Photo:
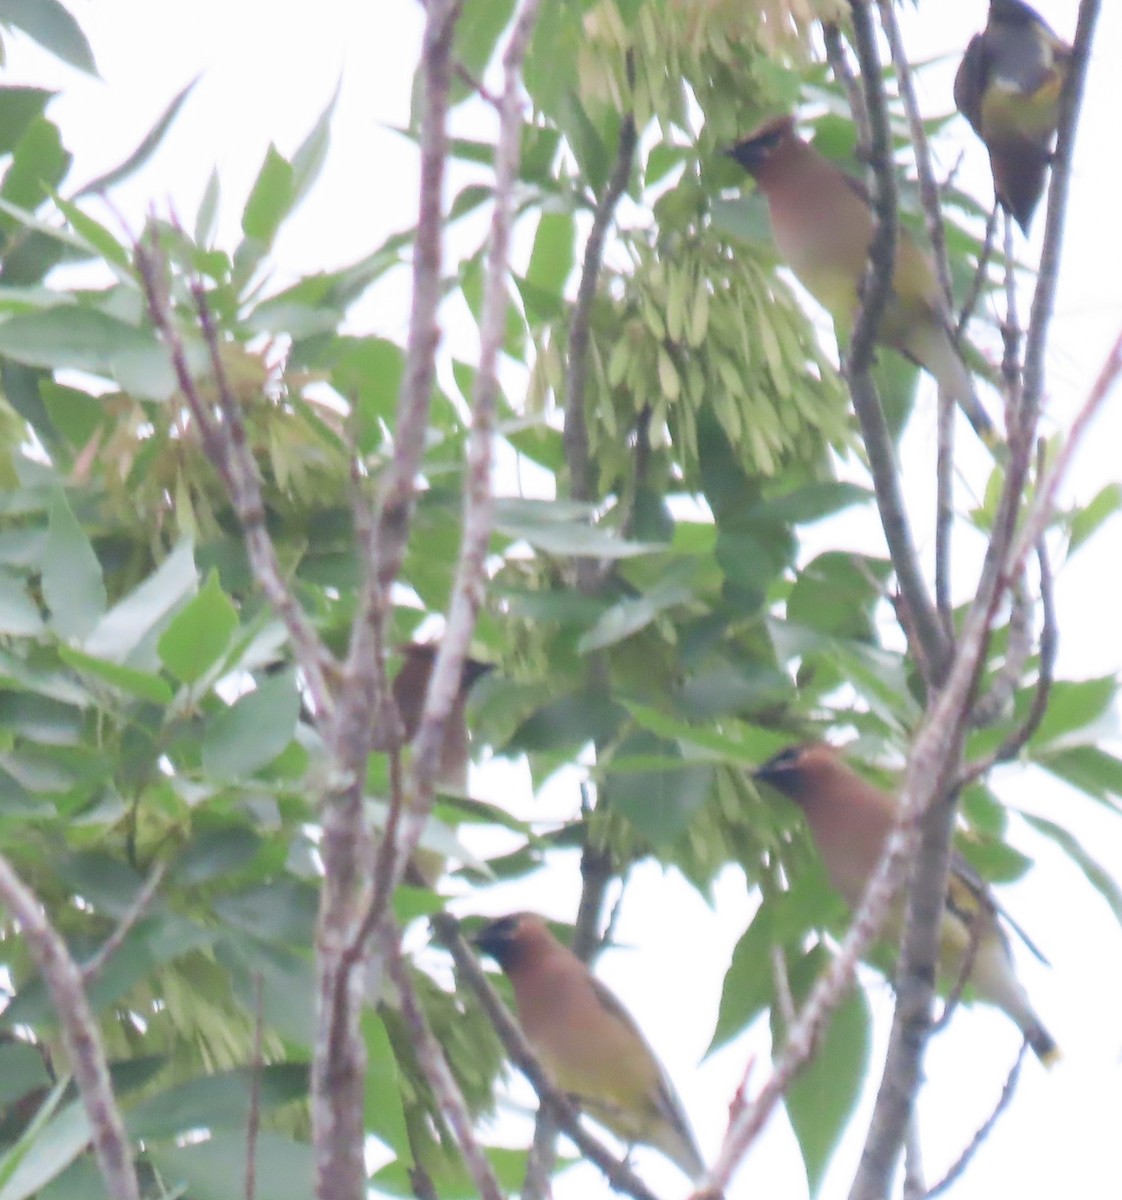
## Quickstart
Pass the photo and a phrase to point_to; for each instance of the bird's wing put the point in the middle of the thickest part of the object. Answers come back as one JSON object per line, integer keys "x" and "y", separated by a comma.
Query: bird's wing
{"x": 972, "y": 890}
{"x": 970, "y": 82}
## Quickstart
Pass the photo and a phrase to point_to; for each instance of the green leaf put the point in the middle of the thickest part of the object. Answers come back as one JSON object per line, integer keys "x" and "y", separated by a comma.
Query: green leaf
{"x": 311, "y": 154}
{"x": 19, "y": 106}
{"x": 629, "y": 616}
{"x": 551, "y": 259}
{"x": 478, "y": 30}
{"x": 1093, "y": 771}
{"x": 1103, "y": 505}
{"x": 1074, "y": 709}
{"x": 208, "y": 1170}
{"x": 125, "y": 679}
{"x": 123, "y": 627}
{"x": 659, "y": 803}
{"x": 748, "y": 981}
{"x": 254, "y": 730}
{"x": 272, "y": 197}
{"x": 51, "y": 1150}
{"x": 22, "y": 1070}
{"x": 1097, "y": 875}
{"x": 384, "y": 1111}
{"x": 72, "y": 584}
{"x": 81, "y": 339}
{"x": 19, "y": 614}
{"x": 218, "y": 1101}
{"x": 199, "y": 633}
{"x": 48, "y": 23}
{"x": 824, "y": 1094}
{"x": 148, "y": 146}
{"x": 38, "y": 165}
{"x": 544, "y": 525}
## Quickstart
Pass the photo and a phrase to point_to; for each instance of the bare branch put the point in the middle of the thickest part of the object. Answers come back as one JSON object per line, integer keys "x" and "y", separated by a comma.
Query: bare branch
{"x": 978, "y": 283}
{"x": 618, "y": 1173}
{"x": 135, "y": 911}
{"x": 450, "y": 1099}
{"x": 838, "y": 57}
{"x": 876, "y": 289}
{"x": 469, "y": 587}
{"x": 985, "y": 1129}
{"x": 928, "y": 186}
{"x": 80, "y": 1034}
{"x": 339, "y": 1053}
{"x": 582, "y": 485}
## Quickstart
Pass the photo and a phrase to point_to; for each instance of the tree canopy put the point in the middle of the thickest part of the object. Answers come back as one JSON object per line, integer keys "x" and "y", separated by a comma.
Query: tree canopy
{"x": 226, "y": 510}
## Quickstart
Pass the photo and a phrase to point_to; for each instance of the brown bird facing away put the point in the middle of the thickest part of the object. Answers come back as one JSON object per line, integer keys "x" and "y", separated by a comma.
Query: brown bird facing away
{"x": 850, "y": 820}
{"x": 822, "y": 222}
{"x": 409, "y": 687}
{"x": 587, "y": 1040}
{"x": 1008, "y": 87}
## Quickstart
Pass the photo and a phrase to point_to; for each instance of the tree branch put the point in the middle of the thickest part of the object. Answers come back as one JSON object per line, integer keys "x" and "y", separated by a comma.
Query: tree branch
{"x": 435, "y": 1066}
{"x": 95, "y": 965}
{"x": 80, "y": 1034}
{"x": 339, "y": 1053}
{"x": 876, "y": 289}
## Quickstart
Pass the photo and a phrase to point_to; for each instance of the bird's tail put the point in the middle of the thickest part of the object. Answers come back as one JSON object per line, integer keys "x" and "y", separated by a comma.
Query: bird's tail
{"x": 1042, "y": 1043}
{"x": 930, "y": 345}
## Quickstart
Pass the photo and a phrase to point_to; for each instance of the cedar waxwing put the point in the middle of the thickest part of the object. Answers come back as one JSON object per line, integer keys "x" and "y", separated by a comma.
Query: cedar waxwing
{"x": 587, "y": 1040}
{"x": 1008, "y": 87}
{"x": 850, "y": 820}
{"x": 823, "y": 223}
{"x": 409, "y": 687}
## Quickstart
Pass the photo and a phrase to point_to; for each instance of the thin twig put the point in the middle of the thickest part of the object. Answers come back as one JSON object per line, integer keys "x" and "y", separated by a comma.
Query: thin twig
{"x": 996, "y": 702}
{"x": 257, "y": 1065}
{"x": 944, "y": 510}
{"x": 914, "y": 1186}
{"x": 875, "y": 292}
{"x": 978, "y": 283}
{"x": 617, "y": 1171}
{"x": 985, "y": 1130}
{"x": 838, "y": 58}
{"x": 95, "y": 965}
{"x": 928, "y": 185}
{"x": 449, "y": 1098}
{"x": 582, "y": 484}
{"x": 80, "y": 1034}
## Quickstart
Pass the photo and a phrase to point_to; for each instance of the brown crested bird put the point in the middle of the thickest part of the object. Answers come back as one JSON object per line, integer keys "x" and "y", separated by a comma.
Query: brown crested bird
{"x": 1008, "y": 87}
{"x": 822, "y": 222}
{"x": 850, "y": 820}
{"x": 587, "y": 1040}
{"x": 409, "y": 687}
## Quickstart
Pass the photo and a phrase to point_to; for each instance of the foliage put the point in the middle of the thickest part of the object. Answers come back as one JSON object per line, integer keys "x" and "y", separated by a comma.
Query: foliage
{"x": 149, "y": 708}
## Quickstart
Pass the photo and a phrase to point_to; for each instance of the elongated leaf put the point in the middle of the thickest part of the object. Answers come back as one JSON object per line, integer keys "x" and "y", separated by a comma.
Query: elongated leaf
{"x": 72, "y": 582}
{"x": 148, "y": 146}
{"x": 19, "y": 615}
{"x": 823, "y": 1095}
{"x": 253, "y": 731}
{"x": 48, "y": 1153}
{"x": 123, "y": 627}
{"x": 52, "y": 26}
{"x": 1097, "y": 875}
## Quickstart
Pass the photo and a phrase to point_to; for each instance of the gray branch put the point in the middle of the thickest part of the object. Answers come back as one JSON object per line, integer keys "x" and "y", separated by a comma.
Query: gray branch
{"x": 80, "y": 1034}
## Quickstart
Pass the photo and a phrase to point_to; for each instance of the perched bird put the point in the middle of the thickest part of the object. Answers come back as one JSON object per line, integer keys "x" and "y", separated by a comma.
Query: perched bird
{"x": 850, "y": 820}
{"x": 822, "y": 222}
{"x": 409, "y": 687}
{"x": 1008, "y": 87}
{"x": 587, "y": 1040}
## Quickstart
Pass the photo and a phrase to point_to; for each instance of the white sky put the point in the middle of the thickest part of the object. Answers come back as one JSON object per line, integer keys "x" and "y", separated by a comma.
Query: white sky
{"x": 270, "y": 68}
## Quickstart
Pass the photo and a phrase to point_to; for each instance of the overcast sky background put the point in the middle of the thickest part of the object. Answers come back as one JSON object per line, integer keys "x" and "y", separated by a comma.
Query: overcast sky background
{"x": 269, "y": 69}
